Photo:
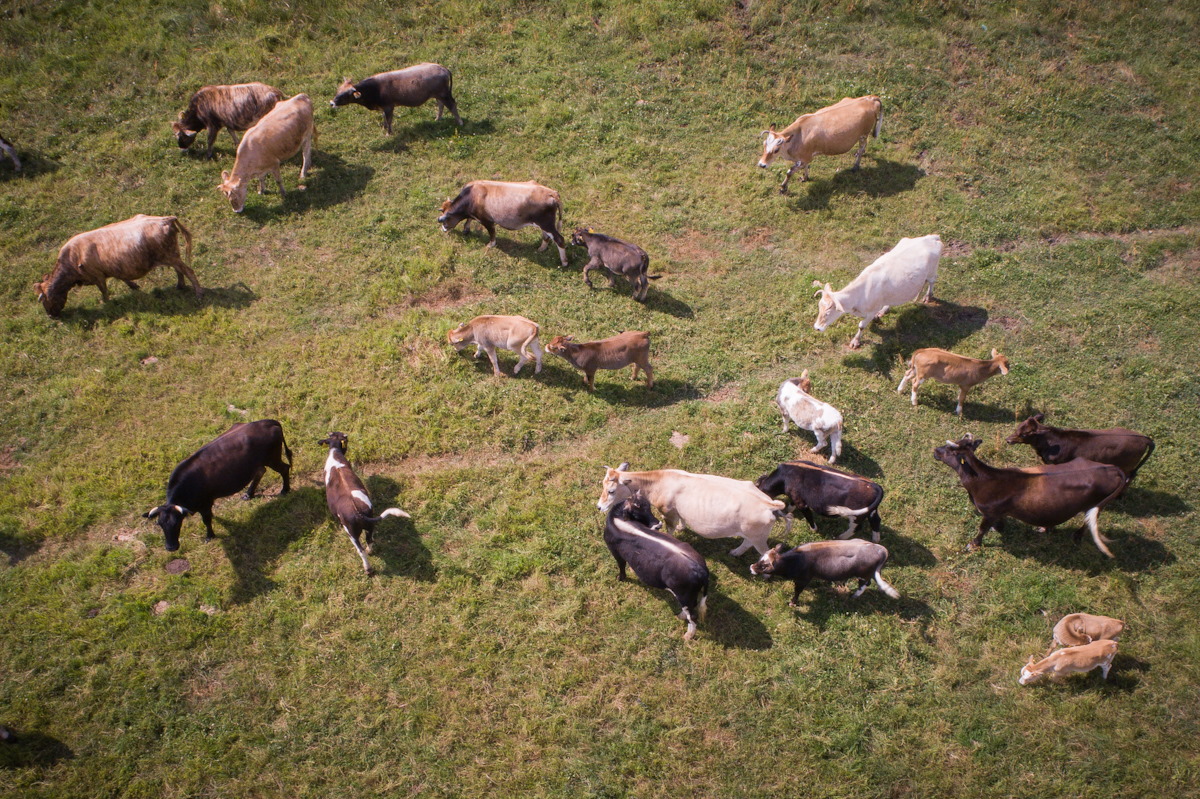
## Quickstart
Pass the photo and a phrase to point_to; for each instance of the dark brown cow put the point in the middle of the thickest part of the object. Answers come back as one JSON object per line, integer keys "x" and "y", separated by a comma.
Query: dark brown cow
{"x": 835, "y": 561}
{"x": 615, "y": 352}
{"x": 1042, "y": 496}
{"x": 409, "y": 87}
{"x": 617, "y": 258}
{"x": 235, "y": 108}
{"x": 348, "y": 500}
{"x": 509, "y": 205}
{"x": 124, "y": 250}
{"x": 828, "y": 491}
{"x": 1125, "y": 449}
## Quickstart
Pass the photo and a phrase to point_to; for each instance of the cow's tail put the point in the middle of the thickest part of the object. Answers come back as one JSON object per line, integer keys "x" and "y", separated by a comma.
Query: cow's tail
{"x": 1145, "y": 457}
{"x": 287, "y": 451}
{"x": 702, "y": 606}
{"x": 878, "y": 119}
{"x": 187, "y": 235}
{"x": 1091, "y": 522}
{"x": 385, "y": 514}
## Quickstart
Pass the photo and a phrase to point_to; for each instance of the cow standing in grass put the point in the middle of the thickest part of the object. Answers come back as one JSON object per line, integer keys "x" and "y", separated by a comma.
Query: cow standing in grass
{"x": 509, "y": 205}
{"x": 235, "y": 108}
{"x": 286, "y": 130}
{"x": 617, "y": 258}
{"x": 348, "y": 500}
{"x": 832, "y": 130}
{"x": 409, "y": 87}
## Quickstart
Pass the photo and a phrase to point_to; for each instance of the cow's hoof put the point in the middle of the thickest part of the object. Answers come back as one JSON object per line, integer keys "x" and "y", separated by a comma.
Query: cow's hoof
{"x": 247, "y": 496}
{"x": 792, "y": 604}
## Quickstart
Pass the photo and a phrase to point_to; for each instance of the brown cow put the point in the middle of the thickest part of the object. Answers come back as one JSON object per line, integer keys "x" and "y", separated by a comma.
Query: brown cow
{"x": 615, "y": 352}
{"x": 943, "y": 366}
{"x": 509, "y": 205}
{"x": 235, "y": 108}
{"x": 1125, "y": 449}
{"x": 409, "y": 87}
{"x": 284, "y": 131}
{"x": 832, "y": 130}
{"x": 124, "y": 250}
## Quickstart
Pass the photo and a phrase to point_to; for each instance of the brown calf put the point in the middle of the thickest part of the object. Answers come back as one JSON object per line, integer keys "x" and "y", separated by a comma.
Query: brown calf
{"x": 617, "y": 352}
{"x": 956, "y": 370}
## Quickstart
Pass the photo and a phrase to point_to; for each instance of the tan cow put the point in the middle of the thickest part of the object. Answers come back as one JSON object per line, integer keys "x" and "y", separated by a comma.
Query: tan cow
{"x": 615, "y": 352}
{"x": 1071, "y": 660}
{"x": 946, "y": 367}
{"x": 707, "y": 504}
{"x": 286, "y": 130}
{"x": 511, "y": 206}
{"x": 832, "y": 130}
{"x": 489, "y": 333}
{"x": 1076, "y": 629}
{"x": 124, "y": 250}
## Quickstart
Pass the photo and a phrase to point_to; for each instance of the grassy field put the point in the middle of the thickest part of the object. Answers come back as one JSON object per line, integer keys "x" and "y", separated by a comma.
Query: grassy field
{"x": 1053, "y": 146}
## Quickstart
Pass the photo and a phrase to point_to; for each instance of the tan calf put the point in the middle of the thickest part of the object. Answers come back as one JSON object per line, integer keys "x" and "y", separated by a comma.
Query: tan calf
{"x": 1083, "y": 628}
{"x": 286, "y": 130}
{"x": 616, "y": 352}
{"x": 1072, "y": 660}
{"x": 489, "y": 333}
{"x": 946, "y": 367}
{"x": 832, "y": 130}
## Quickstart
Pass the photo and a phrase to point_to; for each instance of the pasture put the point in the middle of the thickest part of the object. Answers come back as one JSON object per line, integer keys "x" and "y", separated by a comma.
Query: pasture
{"x": 1053, "y": 146}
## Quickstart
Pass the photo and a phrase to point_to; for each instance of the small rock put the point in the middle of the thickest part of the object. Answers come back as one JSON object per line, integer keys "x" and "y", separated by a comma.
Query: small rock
{"x": 679, "y": 439}
{"x": 149, "y": 360}
{"x": 642, "y": 102}
{"x": 209, "y": 610}
{"x": 160, "y": 607}
{"x": 178, "y": 566}
{"x": 93, "y": 613}
{"x": 233, "y": 409}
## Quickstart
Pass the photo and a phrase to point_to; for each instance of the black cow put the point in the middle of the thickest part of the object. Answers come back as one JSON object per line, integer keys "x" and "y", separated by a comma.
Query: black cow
{"x": 616, "y": 256}
{"x": 634, "y": 536}
{"x": 409, "y": 87}
{"x": 835, "y": 561}
{"x": 828, "y": 491}
{"x": 347, "y": 497}
{"x": 220, "y": 468}
{"x": 1125, "y": 449}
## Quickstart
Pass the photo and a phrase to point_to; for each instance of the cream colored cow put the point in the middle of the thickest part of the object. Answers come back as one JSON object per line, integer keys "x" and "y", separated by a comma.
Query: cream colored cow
{"x": 490, "y": 333}
{"x": 286, "y": 130}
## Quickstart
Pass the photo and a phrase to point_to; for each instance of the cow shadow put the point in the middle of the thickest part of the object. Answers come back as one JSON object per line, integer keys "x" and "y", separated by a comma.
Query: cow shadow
{"x": 397, "y": 542}
{"x": 725, "y": 621}
{"x": 513, "y": 245}
{"x": 904, "y": 551}
{"x": 331, "y": 182}
{"x": 14, "y": 550}
{"x": 1122, "y": 677}
{"x": 1142, "y": 502}
{"x": 1133, "y": 552}
{"x": 614, "y": 386}
{"x": 428, "y": 129}
{"x": 916, "y": 325}
{"x": 33, "y": 749}
{"x": 946, "y": 400}
{"x": 32, "y": 165}
{"x": 885, "y": 179}
{"x": 254, "y": 545}
{"x": 824, "y": 602}
{"x": 160, "y": 301}
{"x": 662, "y": 302}
{"x": 854, "y": 460}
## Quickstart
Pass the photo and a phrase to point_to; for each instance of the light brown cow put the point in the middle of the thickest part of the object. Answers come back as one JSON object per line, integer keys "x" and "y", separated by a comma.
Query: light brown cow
{"x": 124, "y": 250}
{"x": 615, "y": 352}
{"x": 1071, "y": 660}
{"x": 284, "y": 131}
{"x": 956, "y": 370}
{"x": 489, "y": 333}
{"x": 832, "y": 130}
{"x": 1077, "y": 629}
{"x": 235, "y": 108}
{"x": 509, "y": 205}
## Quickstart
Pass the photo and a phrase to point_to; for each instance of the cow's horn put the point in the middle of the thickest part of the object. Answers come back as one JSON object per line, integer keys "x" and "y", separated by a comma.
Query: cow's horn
{"x": 150, "y": 514}
{"x": 951, "y": 443}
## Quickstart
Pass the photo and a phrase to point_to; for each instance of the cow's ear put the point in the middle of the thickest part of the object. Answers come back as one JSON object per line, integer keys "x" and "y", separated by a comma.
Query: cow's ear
{"x": 779, "y": 549}
{"x": 357, "y": 94}
{"x": 624, "y": 467}
{"x": 224, "y": 176}
{"x": 974, "y": 444}
{"x": 1039, "y": 417}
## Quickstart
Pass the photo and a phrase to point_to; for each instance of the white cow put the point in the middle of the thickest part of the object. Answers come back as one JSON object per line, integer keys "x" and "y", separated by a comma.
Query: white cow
{"x": 896, "y": 277}
{"x": 708, "y": 505}
{"x": 809, "y": 413}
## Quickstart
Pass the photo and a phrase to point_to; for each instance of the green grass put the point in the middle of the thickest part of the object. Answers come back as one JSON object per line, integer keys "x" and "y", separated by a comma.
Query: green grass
{"x": 1054, "y": 147}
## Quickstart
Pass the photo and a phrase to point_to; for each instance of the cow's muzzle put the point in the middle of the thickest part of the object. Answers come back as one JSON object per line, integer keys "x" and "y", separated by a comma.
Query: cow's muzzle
{"x": 762, "y": 165}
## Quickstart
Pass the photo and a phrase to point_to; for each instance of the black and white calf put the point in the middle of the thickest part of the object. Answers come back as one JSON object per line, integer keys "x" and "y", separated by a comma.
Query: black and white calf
{"x": 348, "y": 500}
{"x": 835, "y": 561}
{"x": 830, "y": 492}
{"x": 660, "y": 561}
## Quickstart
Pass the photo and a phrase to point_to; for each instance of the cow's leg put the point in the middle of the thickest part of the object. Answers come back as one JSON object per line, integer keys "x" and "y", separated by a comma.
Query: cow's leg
{"x": 788, "y": 176}
{"x": 929, "y": 291}
{"x": 103, "y": 286}
{"x": 440, "y": 105}
{"x": 808, "y": 517}
{"x": 132, "y": 284}
{"x": 522, "y": 358}
{"x": 285, "y": 472}
{"x": 589, "y": 379}
{"x": 862, "y": 147}
{"x": 358, "y": 549}
{"x": 856, "y": 342}
{"x": 977, "y": 541}
{"x": 387, "y": 119}
{"x": 262, "y": 183}
{"x": 258, "y": 475}
{"x": 278, "y": 179}
{"x": 962, "y": 397}
{"x": 593, "y": 263}
{"x": 876, "y": 522}
{"x": 835, "y": 445}
{"x": 879, "y": 314}
{"x": 368, "y": 539}
{"x": 742, "y": 547}
{"x": 182, "y": 270}
{"x": 821, "y": 440}
{"x": 783, "y": 414}
{"x": 491, "y": 353}
{"x": 453, "y": 106}
{"x": 213, "y": 130}
{"x": 909, "y": 375}
{"x": 620, "y": 567}
{"x": 207, "y": 517}
{"x": 306, "y": 161}
{"x": 560, "y": 243}
{"x": 915, "y": 385}
{"x": 233, "y": 135}
{"x": 800, "y": 585}
{"x": 491, "y": 231}
{"x": 862, "y": 586}
{"x": 536, "y": 346}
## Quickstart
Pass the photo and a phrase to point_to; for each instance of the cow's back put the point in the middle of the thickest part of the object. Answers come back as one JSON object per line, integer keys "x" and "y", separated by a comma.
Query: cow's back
{"x": 512, "y": 205}
{"x": 898, "y": 275}
{"x": 509, "y": 332}
{"x": 128, "y": 241}
{"x": 226, "y": 464}
{"x": 712, "y": 505}
{"x": 278, "y": 135}
{"x": 1051, "y": 494}
{"x": 413, "y": 85}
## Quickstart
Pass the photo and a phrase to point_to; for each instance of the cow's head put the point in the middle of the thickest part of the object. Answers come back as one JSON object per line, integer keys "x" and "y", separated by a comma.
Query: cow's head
{"x": 766, "y": 565}
{"x": 183, "y": 136}
{"x": 346, "y": 93}
{"x": 1028, "y": 428}
{"x": 170, "y": 519}
{"x": 52, "y": 290}
{"x": 772, "y": 143}
{"x": 561, "y": 345}
{"x": 578, "y": 238}
{"x": 449, "y": 218}
{"x": 829, "y": 309}
{"x": 460, "y": 336}
{"x": 956, "y": 454}
{"x": 1000, "y": 361}
{"x": 638, "y": 509}
{"x": 235, "y": 190}
{"x": 335, "y": 440}
{"x": 615, "y": 487}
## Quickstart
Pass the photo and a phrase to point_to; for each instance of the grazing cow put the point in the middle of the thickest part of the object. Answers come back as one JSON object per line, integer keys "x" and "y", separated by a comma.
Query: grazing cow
{"x": 708, "y": 505}
{"x": 347, "y": 498}
{"x": 1071, "y": 660}
{"x": 835, "y": 561}
{"x": 832, "y": 130}
{"x": 10, "y": 153}
{"x": 1076, "y": 629}
{"x": 125, "y": 251}
{"x": 809, "y": 413}
{"x": 1043, "y": 496}
{"x": 830, "y": 492}
{"x": 234, "y": 108}
{"x": 489, "y": 333}
{"x": 634, "y": 536}
{"x": 222, "y": 467}
{"x": 894, "y": 278}
{"x": 615, "y": 352}
{"x": 1125, "y": 449}
{"x": 618, "y": 258}
{"x": 509, "y": 205}
{"x": 946, "y": 367}
{"x": 408, "y": 87}
{"x": 286, "y": 130}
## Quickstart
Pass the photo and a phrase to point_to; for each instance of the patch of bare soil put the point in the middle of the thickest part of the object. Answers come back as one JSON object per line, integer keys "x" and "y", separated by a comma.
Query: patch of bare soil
{"x": 727, "y": 391}
{"x": 8, "y": 463}
{"x": 448, "y": 294}
{"x": 692, "y": 247}
{"x": 1182, "y": 267}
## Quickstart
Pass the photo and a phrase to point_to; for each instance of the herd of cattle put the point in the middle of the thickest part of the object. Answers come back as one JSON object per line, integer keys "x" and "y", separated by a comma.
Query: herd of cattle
{"x": 1082, "y": 471}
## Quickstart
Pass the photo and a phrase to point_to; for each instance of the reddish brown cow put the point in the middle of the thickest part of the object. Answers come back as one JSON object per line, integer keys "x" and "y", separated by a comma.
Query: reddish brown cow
{"x": 616, "y": 352}
{"x": 509, "y": 205}
{"x": 1125, "y": 449}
